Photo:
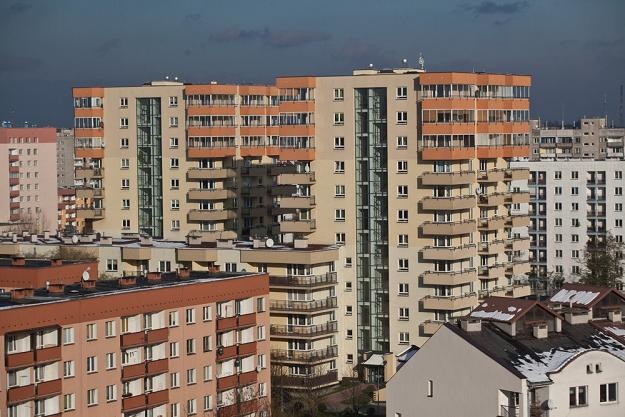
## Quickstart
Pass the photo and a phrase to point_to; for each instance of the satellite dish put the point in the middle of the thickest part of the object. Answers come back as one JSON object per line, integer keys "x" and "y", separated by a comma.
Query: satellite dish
{"x": 74, "y": 239}
{"x": 550, "y": 404}
{"x": 269, "y": 243}
{"x": 86, "y": 276}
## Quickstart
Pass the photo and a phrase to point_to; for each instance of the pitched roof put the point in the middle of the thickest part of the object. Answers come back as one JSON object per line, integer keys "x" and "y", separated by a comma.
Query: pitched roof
{"x": 505, "y": 309}
{"x": 582, "y": 295}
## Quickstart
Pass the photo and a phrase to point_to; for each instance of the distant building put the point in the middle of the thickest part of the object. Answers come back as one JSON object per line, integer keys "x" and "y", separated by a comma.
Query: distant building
{"x": 65, "y": 157}
{"x": 20, "y": 272}
{"x": 28, "y": 182}
{"x": 175, "y": 344}
{"x": 591, "y": 138}
{"x": 520, "y": 358}
{"x": 67, "y": 221}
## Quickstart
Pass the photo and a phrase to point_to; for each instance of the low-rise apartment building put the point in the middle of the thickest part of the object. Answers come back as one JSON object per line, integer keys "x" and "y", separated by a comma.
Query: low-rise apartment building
{"x": 520, "y": 358}
{"x": 171, "y": 344}
{"x": 21, "y": 272}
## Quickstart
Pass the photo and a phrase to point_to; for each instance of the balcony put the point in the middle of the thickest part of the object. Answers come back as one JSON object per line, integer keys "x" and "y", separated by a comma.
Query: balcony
{"x": 304, "y": 281}
{"x": 20, "y": 360}
{"x": 296, "y": 202}
{"x": 48, "y": 354}
{"x": 244, "y": 408}
{"x": 449, "y": 277}
{"x": 492, "y": 271}
{"x": 254, "y": 171}
{"x": 49, "y": 388}
{"x": 521, "y": 244}
{"x": 211, "y": 194}
{"x": 493, "y": 223}
{"x": 519, "y": 197}
{"x": 254, "y": 190}
{"x": 304, "y": 356}
{"x": 89, "y": 172}
{"x": 210, "y": 173}
{"x": 229, "y": 323}
{"x": 492, "y": 175}
{"x": 143, "y": 401}
{"x": 447, "y": 178}
{"x": 148, "y": 337}
{"x": 297, "y": 226}
{"x": 229, "y": 352}
{"x": 517, "y": 291}
{"x": 518, "y": 268}
{"x": 258, "y": 211}
{"x": 517, "y": 174}
{"x": 231, "y": 381}
{"x": 448, "y": 203}
{"x": 146, "y": 368}
{"x": 492, "y": 248}
{"x": 449, "y": 228}
{"x": 213, "y": 235}
{"x": 302, "y": 307}
{"x": 290, "y": 331}
{"x": 297, "y": 178}
{"x": 211, "y": 215}
{"x": 137, "y": 254}
{"x": 447, "y": 154}
{"x": 283, "y": 189}
{"x": 518, "y": 220}
{"x": 493, "y": 199}
{"x": 14, "y": 193}
{"x": 89, "y": 213}
{"x": 449, "y": 253}
{"x": 433, "y": 302}
{"x": 306, "y": 381}
{"x": 429, "y": 327}
{"x": 95, "y": 153}
{"x": 20, "y": 394}
{"x": 14, "y": 157}
{"x": 86, "y": 192}
{"x": 212, "y": 152}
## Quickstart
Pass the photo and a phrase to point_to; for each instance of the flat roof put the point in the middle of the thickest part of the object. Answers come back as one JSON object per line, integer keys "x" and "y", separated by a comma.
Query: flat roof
{"x": 39, "y": 263}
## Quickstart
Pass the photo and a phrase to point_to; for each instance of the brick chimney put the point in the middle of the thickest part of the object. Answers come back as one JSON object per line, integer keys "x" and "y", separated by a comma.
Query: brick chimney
{"x": 18, "y": 261}
{"x": 21, "y": 293}
{"x": 56, "y": 262}
{"x": 183, "y": 273}
{"x": 56, "y": 288}
{"x": 154, "y": 276}
{"x": 127, "y": 281}
{"x": 88, "y": 284}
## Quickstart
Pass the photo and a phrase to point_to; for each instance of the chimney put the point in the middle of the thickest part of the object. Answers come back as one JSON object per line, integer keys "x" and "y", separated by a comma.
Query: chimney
{"x": 21, "y": 293}
{"x": 88, "y": 284}
{"x": 300, "y": 243}
{"x": 56, "y": 262}
{"x": 469, "y": 324}
{"x": 540, "y": 330}
{"x": 56, "y": 288}
{"x": 154, "y": 277}
{"x": 86, "y": 238}
{"x": 183, "y": 273}
{"x": 25, "y": 234}
{"x": 194, "y": 240}
{"x": 225, "y": 243}
{"x": 257, "y": 243}
{"x": 106, "y": 240}
{"x": 127, "y": 281}
{"x": 145, "y": 240}
{"x": 576, "y": 316}
{"x": 615, "y": 316}
{"x": 18, "y": 261}
{"x": 34, "y": 238}
{"x": 46, "y": 235}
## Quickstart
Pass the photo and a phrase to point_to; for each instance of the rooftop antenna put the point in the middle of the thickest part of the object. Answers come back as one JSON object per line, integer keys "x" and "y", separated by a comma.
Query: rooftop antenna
{"x": 421, "y": 62}
{"x": 404, "y": 62}
{"x": 370, "y": 65}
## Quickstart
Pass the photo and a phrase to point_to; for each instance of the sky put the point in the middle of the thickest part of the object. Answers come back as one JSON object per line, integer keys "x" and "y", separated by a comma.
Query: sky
{"x": 574, "y": 49}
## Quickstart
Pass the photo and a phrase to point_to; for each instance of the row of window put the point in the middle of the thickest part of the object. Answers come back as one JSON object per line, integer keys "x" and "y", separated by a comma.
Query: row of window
{"x": 401, "y": 93}
{"x": 579, "y": 396}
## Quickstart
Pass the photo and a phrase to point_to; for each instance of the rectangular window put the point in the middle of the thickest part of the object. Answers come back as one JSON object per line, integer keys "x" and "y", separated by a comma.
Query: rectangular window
{"x": 110, "y": 360}
{"x": 339, "y": 238}
{"x": 339, "y": 167}
{"x": 123, "y": 102}
{"x": 207, "y": 313}
{"x": 111, "y": 393}
{"x": 190, "y": 315}
{"x": 608, "y": 393}
{"x": 402, "y": 216}
{"x": 402, "y": 166}
{"x": 577, "y": 396}
{"x": 339, "y": 94}
{"x": 174, "y": 204}
{"x": 339, "y": 191}
{"x": 191, "y": 376}
{"x": 68, "y": 369}
{"x": 92, "y": 364}
{"x": 69, "y": 402}
{"x": 125, "y": 183}
{"x": 190, "y": 346}
{"x": 402, "y": 264}
{"x": 208, "y": 373}
{"x": 339, "y": 118}
{"x": 401, "y": 93}
{"x": 173, "y": 349}
{"x": 174, "y": 380}
{"x": 92, "y": 397}
{"x": 339, "y": 142}
{"x": 68, "y": 335}
{"x": 404, "y": 338}
{"x": 173, "y": 101}
{"x": 92, "y": 331}
{"x": 123, "y": 143}
{"x": 402, "y": 117}
{"x": 339, "y": 215}
{"x": 402, "y": 142}
{"x": 174, "y": 163}
{"x": 173, "y": 121}
{"x": 208, "y": 402}
{"x": 125, "y": 204}
{"x": 173, "y": 318}
{"x": 111, "y": 265}
{"x": 174, "y": 183}
{"x": 109, "y": 329}
{"x": 403, "y": 289}
{"x": 404, "y": 313}
{"x": 175, "y": 225}
{"x": 207, "y": 343}
{"x": 402, "y": 191}
{"x": 123, "y": 123}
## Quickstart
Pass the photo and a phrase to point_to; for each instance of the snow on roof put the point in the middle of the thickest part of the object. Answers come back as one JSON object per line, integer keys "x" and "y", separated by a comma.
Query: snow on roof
{"x": 616, "y": 330}
{"x": 574, "y": 296}
{"x": 493, "y": 315}
{"x": 375, "y": 360}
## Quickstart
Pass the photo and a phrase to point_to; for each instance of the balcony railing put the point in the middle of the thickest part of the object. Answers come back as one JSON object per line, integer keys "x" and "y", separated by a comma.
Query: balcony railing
{"x": 307, "y": 356}
{"x": 303, "y": 306}
{"x": 304, "y": 280}
{"x": 306, "y": 381}
{"x": 292, "y": 330}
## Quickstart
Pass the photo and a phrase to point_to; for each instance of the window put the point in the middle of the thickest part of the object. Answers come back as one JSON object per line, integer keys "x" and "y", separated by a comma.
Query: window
{"x": 123, "y": 123}
{"x": 190, "y": 346}
{"x": 207, "y": 343}
{"x": 339, "y": 238}
{"x": 349, "y": 334}
{"x": 125, "y": 183}
{"x": 618, "y": 223}
{"x": 404, "y": 313}
{"x": 403, "y": 288}
{"x": 92, "y": 397}
{"x": 68, "y": 369}
{"x": 558, "y": 237}
{"x": 402, "y": 117}
{"x": 174, "y": 380}
{"x": 402, "y": 240}
{"x": 402, "y": 216}
{"x": 402, "y": 191}
{"x": 191, "y": 407}
{"x": 577, "y": 396}
{"x": 348, "y": 310}
{"x": 174, "y": 204}
{"x": 618, "y": 175}
{"x": 173, "y": 101}
{"x": 92, "y": 331}
{"x": 339, "y": 142}
{"x": 558, "y": 190}
{"x": 207, "y": 313}
{"x": 260, "y": 304}
{"x": 618, "y": 191}
{"x": 339, "y": 118}
{"x": 208, "y": 402}
{"x": 69, "y": 402}
{"x": 111, "y": 393}
{"x": 124, "y": 163}
{"x": 110, "y": 360}
{"x": 402, "y": 166}
{"x": 208, "y": 373}
{"x": 402, "y": 264}
{"x": 174, "y": 183}
{"x": 125, "y": 204}
{"x": 174, "y": 163}
{"x": 109, "y": 329}
{"x": 558, "y": 206}
{"x": 401, "y": 93}
{"x": 575, "y": 254}
{"x": 575, "y": 206}
{"x": 350, "y": 358}
{"x": 173, "y": 121}
{"x": 339, "y": 215}
{"x": 68, "y": 335}
{"x": 123, "y": 143}
{"x": 260, "y": 333}
{"x": 607, "y": 393}
{"x": 574, "y": 190}
{"x": 339, "y": 167}
{"x": 339, "y": 94}
{"x": 574, "y": 238}
{"x": 175, "y": 225}
{"x": 123, "y": 102}
{"x": 173, "y": 349}
{"x": 191, "y": 376}
{"x": 404, "y": 338}
{"x": 558, "y": 222}
{"x": 558, "y": 253}
{"x": 125, "y": 224}
{"x": 402, "y": 142}
{"x": 190, "y": 315}
{"x": 173, "y": 318}
{"x": 339, "y": 191}
{"x": 262, "y": 389}
{"x": 261, "y": 361}
{"x": 92, "y": 364}
{"x": 618, "y": 207}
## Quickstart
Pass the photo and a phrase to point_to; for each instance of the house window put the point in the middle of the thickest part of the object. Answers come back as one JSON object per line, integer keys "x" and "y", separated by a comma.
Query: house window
{"x": 175, "y": 225}
{"x": 401, "y": 93}
{"x": 402, "y": 142}
{"x": 402, "y": 166}
{"x": 109, "y": 329}
{"x": 174, "y": 183}
{"x": 92, "y": 331}
{"x": 125, "y": 224}
{"x": 339, "y": 215}
{"x": 92, "y": 364}
{"x": 190, "y": 376}
{"x": 349, "y": 334}
{"x": 348, "y": 310}
{"x": 174, "y": 380}
{"x": 607, "y": 392}
{"x": 174, "y": 163}
{"x": 68, "y": 335}
{"x": 125, "y": 183}
{"x": 339, "y": 94}
{"x": 404, "y": 313}
{"x": 173, "y": 143}
{"x": 125, "y": 163}
{"x": 190, "y": 315}
{"x": 402, "y": 240}
{"x": 173, "y": 121}
{"x": 402, "y": 264}
{"x": 339, "y": 118}
{"x": 92, "y": 397}
{"x": 402, "y": 216}
{"x": 123, "y": 102}
{"x": 110, "y": 360}
{"x": 173, "y": 101}
{"x": 339, "y": 167}
{"x": 403, "y": 288}
{"x": 175, "y": 204}
{"x": 125, "y": 204}
{"x": 577, "y": 396}
{"x": 339, "y": 238}
{"x": 123, "y": 123}
{"x": 339, "y": 142}
{"x": 173, "y": 318}
{"x": 123, "y": 143}
{"x": 111, "y": 393}
{"x": 402, "y": 117}
{"x": 404, "y": 338}
{"x": 68, "y": 369}
{"x": 339, "y": 191}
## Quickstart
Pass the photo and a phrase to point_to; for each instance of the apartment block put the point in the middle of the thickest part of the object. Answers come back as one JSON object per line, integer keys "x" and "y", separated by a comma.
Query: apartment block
{"x": 588, "y": 138}
{"x": 564, "y": 357}
{"x": 171, "y": 344}
{"x": 28, "y": 178}
{"x": 65, "y": 157}
{"x": 20, "y": 272}
{"x": 67, "y": 220}
{"x": 408, "y": 172}
{"x": 572, "y": 202}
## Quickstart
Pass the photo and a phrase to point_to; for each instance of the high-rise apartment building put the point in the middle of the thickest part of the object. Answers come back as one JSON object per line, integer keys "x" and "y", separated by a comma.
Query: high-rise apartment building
{"x": 67, "y": 223}
{"x": 589, "y": 138}
{"x": 28, "y": 178}
{"x": 65, "y": 157}
{"x": 409, "y": 172}
{"x": 173, "y": 345}
{"x": 572, "y": 202}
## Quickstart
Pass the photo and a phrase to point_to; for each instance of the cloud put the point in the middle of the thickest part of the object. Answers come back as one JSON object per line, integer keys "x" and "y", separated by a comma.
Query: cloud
{"x": 19, "y": 8}
{"x": 107, "y": 46}
{"x": 488, "y": 7}
{"x": 275, "y": 39}
{"x": 12, "y": 63}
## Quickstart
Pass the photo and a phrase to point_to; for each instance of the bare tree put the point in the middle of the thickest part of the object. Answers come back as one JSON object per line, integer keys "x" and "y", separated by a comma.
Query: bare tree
{"x": 603, "y": 262}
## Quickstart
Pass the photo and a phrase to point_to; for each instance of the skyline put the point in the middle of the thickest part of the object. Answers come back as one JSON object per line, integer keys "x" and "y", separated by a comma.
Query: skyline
{"x": 53, "y": 47}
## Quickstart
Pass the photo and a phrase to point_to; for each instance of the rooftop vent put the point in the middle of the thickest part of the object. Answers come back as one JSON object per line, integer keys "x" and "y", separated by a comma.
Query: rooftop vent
{"x": 127, "y": 281}
{"x": 576, "y": 316}
{"x": 540, "y": 330}
{"x": 183, "y": 273}
{"x": 18, "y": 261}
{"x": 469, "y": 324}
{"x": 56, "y": 288}
{"x": 21, "y": 293}
{"x": 154, "y": 276}
{"x": 615, "y": 316}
